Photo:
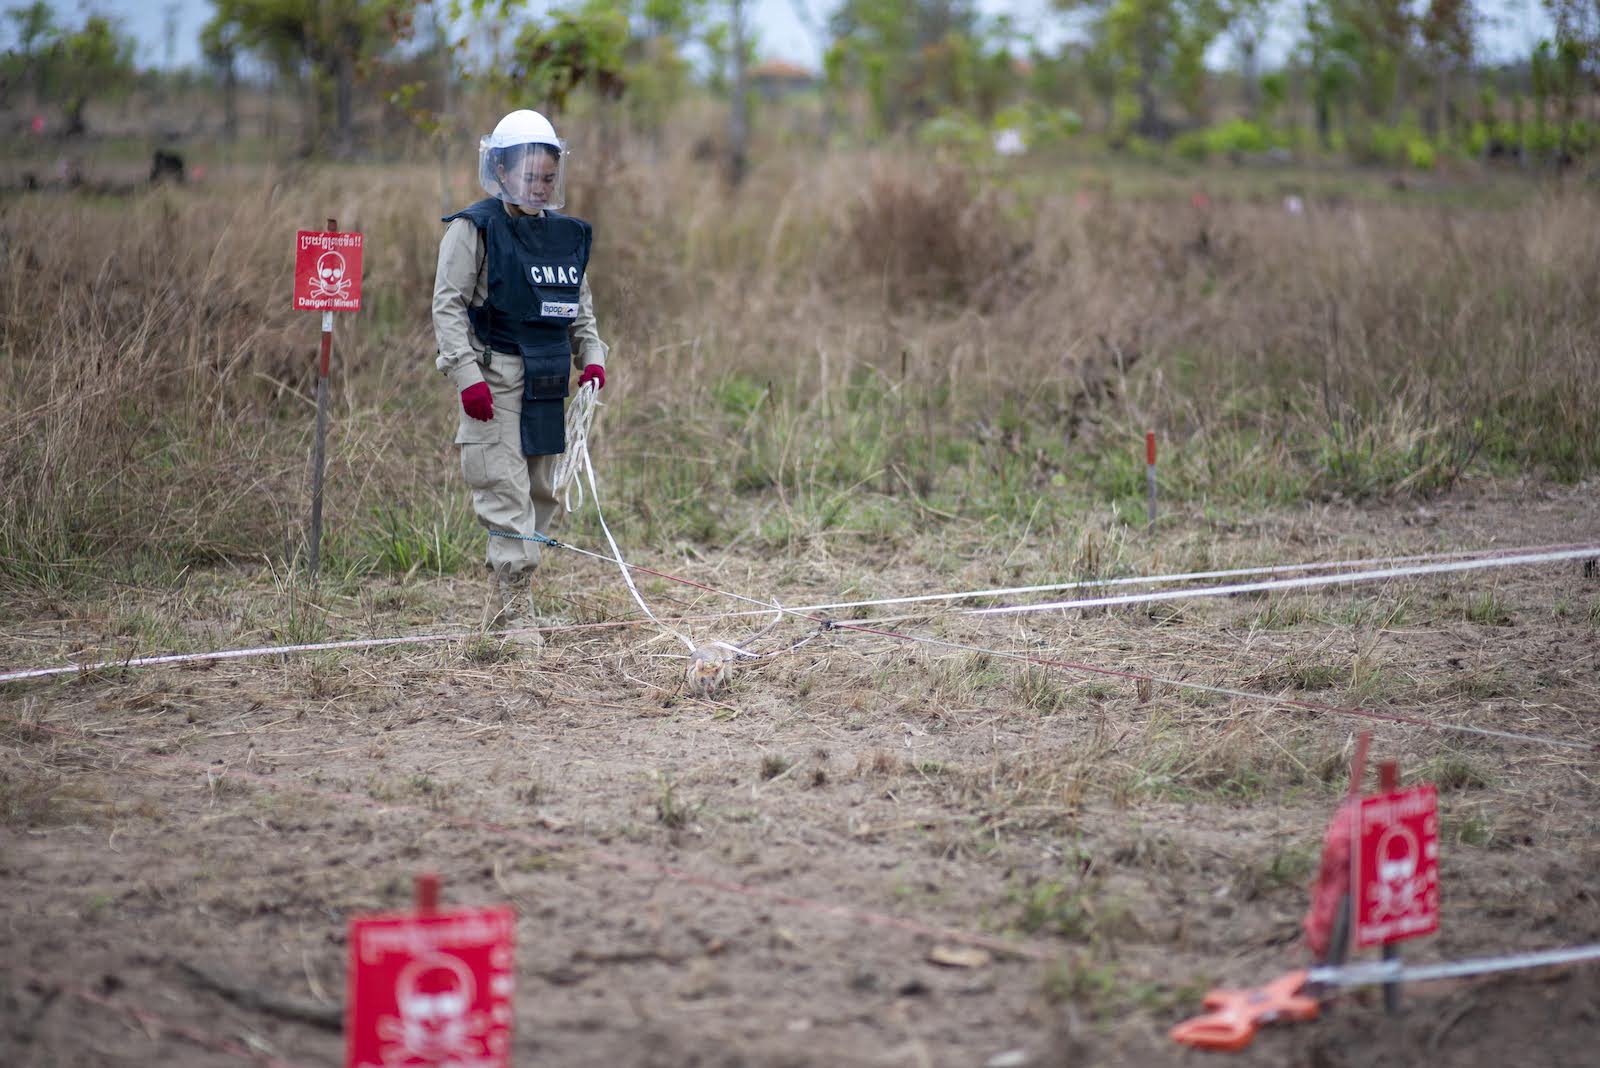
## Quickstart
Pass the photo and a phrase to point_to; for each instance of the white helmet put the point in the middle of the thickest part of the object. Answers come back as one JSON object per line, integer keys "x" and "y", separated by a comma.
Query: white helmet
{"x": 524, "y": 163}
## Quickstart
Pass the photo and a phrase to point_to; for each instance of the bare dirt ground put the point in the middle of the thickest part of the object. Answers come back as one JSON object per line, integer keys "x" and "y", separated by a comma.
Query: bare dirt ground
{"x": 763, "y": 877}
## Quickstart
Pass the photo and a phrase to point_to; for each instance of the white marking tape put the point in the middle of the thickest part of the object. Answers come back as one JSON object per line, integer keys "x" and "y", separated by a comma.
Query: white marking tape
{"x": 804, "y": 610}
{"x": 1371, "y": 973}
{"x": 230, "y": 654}
{"x": 1292, "y": 584}
{"x": 1189, "y": 576}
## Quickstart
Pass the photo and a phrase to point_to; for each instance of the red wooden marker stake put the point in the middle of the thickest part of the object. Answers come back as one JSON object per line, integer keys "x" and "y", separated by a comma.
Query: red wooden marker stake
{"x": 1339, "y": 949}
{"x": 320, "y": 455}
{"x": 1150, "y": 472}
{"x": 1358, "y": 764}
{"x": 427, "y": 893}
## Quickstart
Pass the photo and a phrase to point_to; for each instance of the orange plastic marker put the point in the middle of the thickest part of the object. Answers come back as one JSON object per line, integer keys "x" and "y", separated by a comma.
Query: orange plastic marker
{"x": 1237, "y": 1014}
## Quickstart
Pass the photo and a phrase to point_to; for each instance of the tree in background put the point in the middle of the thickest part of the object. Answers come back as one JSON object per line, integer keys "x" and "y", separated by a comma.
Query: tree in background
{"x": 915, "y": 58}
{"x": 1571, "y": 60}
{"x": 28, "y": 64}
{"x": 1156, "y": 47}
{"x": 739, "y": 111}
{"x": 1335, "y": 57}
{"x": 1447, "y": 34}
{"x": 72, "y": 66}
{"x": 96, "y": 60}
{"x": 581, "y": 47}
{"x": 1379, "y": 38}
{"x": 219, "y": 43}
{"x": 322, "y": 43}
{"x": 657, "y": 72}
{"x": 1247, "y": 22}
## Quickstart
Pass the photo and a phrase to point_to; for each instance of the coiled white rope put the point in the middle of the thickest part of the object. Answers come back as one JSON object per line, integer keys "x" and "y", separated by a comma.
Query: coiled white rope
{"x": 580, "y": 417}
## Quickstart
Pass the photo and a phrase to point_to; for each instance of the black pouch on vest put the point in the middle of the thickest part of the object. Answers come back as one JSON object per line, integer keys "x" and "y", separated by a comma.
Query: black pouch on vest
{"x": 546, "y": 374}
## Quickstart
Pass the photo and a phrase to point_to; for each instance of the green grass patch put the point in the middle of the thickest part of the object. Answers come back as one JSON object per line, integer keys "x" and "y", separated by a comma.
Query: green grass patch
{"x": 435, "y": 540}
{"x": 1452, "y": 771}
{"x": 1488, "y": 609}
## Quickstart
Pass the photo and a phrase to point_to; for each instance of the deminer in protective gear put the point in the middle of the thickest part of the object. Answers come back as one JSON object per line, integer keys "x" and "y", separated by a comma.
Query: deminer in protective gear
{"x": 513, "y": 315}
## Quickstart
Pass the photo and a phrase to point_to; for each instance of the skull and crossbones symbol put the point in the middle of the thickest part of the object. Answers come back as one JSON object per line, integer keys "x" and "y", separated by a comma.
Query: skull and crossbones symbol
{"x": 1399, "y": 885}
{"x": 434, "y": 996}
{"x": 330, "y": 280}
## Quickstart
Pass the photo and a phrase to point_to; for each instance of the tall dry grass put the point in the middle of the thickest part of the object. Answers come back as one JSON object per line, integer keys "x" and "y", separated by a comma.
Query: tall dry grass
{"x": 847, "y": 332}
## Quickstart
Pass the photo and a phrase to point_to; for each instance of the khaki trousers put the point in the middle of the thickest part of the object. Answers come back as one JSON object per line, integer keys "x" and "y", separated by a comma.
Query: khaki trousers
{"x": 510, "y": 491}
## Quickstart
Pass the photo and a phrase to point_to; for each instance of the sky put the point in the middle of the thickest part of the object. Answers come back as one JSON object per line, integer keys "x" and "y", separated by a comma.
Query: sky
{"x": 1513, "y": 26}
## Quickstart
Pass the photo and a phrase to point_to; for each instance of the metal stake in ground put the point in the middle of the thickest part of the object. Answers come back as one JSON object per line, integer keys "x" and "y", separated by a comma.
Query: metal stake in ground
{"x": 327, "y": 278}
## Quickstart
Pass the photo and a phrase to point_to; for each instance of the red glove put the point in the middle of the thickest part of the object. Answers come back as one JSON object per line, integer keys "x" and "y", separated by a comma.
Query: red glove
{"x": 592, "y": 372}
{"x": 477, "y": 402}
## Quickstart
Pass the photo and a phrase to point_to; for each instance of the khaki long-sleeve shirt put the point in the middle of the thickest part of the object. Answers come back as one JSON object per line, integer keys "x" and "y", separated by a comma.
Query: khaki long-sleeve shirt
{"x": 460, "y": 281}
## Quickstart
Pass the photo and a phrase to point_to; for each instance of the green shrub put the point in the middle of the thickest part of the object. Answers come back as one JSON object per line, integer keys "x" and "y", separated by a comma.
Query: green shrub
{"x": 1238, "y": 136}
{"x": 1379, "y": 144}
{"x": 1477, "y": 142}
{"x": 952, "y": 130}
{"x": 1052, "y": 125}
{"x": 1420, "y": 154}
{"x": 1194, "y": 145}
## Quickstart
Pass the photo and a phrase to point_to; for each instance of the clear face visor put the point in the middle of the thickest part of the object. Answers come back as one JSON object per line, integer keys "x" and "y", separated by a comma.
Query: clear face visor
{"x": 531, "y": 176}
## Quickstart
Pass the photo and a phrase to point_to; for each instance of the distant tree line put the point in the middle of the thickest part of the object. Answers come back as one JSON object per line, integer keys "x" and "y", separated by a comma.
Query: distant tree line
{"x": 1391, "y": 80}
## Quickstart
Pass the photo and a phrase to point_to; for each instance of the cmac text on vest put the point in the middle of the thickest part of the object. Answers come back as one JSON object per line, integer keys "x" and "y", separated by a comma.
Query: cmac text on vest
{"x": 555, "y": 276}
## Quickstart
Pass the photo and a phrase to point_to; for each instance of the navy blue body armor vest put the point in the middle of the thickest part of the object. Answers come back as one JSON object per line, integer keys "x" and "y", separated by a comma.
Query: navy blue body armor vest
{"x": 535, "y": 268}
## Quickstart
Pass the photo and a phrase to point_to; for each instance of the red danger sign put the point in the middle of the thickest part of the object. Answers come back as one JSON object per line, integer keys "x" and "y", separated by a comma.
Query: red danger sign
{"x": 327, "y": 271}
{"x": 1397, "y": 872}
{"x": 430, "y": 989}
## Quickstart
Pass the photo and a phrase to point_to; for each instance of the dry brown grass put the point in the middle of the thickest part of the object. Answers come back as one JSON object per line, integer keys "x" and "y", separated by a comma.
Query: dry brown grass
{"x": 841, "y": 332}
